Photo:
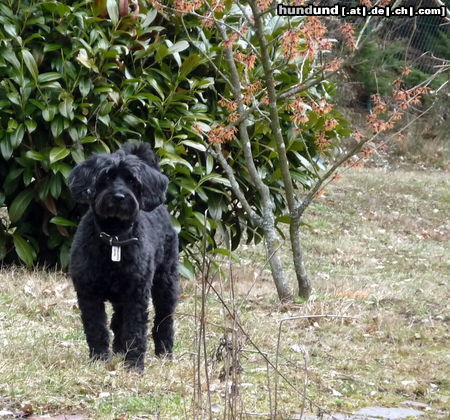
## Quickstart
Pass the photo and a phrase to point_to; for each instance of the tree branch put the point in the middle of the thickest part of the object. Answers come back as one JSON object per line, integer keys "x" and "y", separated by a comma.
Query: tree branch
{"x": 243, "y": 132}
{"x": 217, "y": 154}
{"x": 355, "y": 149}
{"x": 274, "y": 116}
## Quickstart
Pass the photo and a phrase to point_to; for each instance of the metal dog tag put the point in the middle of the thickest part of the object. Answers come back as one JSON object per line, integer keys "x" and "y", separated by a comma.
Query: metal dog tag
{"x": 115, "y": 253}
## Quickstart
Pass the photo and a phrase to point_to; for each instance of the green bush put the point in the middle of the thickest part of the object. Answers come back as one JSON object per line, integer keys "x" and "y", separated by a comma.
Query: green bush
{"x": 74, "y": 83}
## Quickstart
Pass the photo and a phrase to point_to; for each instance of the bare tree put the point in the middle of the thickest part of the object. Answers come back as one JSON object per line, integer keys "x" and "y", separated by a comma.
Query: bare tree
{"x": 276, "y": 71}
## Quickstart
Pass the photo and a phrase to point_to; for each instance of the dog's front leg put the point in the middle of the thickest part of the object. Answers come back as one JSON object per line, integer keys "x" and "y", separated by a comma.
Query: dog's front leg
{"x": 93, "y": 316}
{"x": 134, "y": 332}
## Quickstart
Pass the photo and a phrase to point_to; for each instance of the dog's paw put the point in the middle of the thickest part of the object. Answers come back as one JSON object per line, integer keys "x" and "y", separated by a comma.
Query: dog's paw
{"x": 164, "y": 355}
{"x": 134, "y": 366}
{"x": 102, "y": 356}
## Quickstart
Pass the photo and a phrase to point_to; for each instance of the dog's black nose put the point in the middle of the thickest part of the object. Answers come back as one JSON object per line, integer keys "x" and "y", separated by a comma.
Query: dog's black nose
{"x": 119, "y": 196}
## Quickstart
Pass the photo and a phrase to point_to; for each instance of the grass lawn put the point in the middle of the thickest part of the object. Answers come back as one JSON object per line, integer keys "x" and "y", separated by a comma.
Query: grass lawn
{"x": 378, "y": 251}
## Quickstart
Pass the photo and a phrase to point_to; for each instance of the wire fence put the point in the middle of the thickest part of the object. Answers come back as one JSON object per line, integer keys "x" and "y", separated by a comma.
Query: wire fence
{"x": 426, "y": 38}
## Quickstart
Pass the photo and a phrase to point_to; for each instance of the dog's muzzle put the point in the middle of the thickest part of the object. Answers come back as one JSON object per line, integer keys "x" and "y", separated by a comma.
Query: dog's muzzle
{"x": 117, "y": 204}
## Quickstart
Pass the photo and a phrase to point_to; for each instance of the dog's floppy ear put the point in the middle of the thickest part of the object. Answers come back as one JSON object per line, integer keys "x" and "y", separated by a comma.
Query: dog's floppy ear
{"x": 154, "y": 186}
{"x": 154, "y": 183}
{"x": 81, "y": 180}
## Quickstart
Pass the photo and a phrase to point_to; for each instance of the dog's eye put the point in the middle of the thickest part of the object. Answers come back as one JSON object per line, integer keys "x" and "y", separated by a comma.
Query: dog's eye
{"x": 132, "y": 180}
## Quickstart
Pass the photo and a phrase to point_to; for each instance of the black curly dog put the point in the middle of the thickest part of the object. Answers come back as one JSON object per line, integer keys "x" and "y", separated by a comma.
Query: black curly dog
{"x": 125, "y": 251}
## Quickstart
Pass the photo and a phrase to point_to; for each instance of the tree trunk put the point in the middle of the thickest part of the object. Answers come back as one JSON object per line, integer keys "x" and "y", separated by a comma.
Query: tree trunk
{"x": 272, "y": 244}
{"x": 303, "y": 281}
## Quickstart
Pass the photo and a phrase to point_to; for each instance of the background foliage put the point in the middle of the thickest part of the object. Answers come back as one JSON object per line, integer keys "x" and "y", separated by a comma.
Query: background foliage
{"x": 74, "y": 83}
{"x": 78, "y": 80}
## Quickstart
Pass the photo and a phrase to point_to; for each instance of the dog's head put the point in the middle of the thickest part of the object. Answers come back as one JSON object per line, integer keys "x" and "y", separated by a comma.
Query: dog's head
{"x": 120, "y": 184}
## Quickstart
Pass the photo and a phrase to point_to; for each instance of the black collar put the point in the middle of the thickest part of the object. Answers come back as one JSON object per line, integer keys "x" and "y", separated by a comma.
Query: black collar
{"x": 120, "y": 236}
{"x": 114, "y": 240}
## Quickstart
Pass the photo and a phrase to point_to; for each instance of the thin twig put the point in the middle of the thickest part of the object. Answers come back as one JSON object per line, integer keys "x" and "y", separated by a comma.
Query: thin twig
{"x": 250, "y": 340}
{"x": 258, "y": 275}
{"x": 306, "y": 201}
{"x": 293, "y": 318}
{"x": 225, "y": 78}
{"x": 218, "y": 155}
{"x": 323, "y": 185}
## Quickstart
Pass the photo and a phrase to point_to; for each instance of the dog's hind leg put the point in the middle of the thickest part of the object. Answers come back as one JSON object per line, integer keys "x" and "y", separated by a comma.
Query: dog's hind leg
{"x": 93, "y": 316}
{"x": 165, "y": 292}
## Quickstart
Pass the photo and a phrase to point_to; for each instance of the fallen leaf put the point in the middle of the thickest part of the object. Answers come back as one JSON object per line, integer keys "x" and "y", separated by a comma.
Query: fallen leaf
{"x": 27, "y": 409}
{"x": 370, "y": 329}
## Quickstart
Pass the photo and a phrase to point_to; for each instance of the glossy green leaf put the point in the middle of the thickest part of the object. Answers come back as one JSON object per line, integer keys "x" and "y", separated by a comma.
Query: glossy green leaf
{"x": 226, "y": 253}
{"x": 186, "y": 270}
{"x": 172, "y": 160}
{"x": 24, "y": 249}
{"x": 20, "y": 204}
{"x": 48, "y": 77}
{"x": 113, "y": 10}
{"x": 85, "y": 86}
{"x": 64, "y": 255}
{"x": 57, "y": 126}
{"x": 189, "y": 64}
{"x": 178, "y": 47}
{"x": 89, "y": 139}
{"x": 57, "y": 7}
{"x": 12, "y": 125}
{"x": 30, "y": 62}
{"x": 66, "y": 107}
{"x": 194, "y": 145}
{"x": 10, "y": 29}
{"x": 49, "y": 113}
{"x": 150, "y": 17}
{"x": 6, "y": 148}
{"x": 31, "y": 125}
{"x": 62, "y": 168}
{"x": 17, "y": 136}
{"x": 58, "y": 153}
{"x": 13, "y": 174}
{"x": 78, "y": 155}
{"x": 156, "y": 86}
{"x": 61, "y": 221}
{"x": 10, "y": 56}
{"x": 209, "y": 163}
{"x": 55, "y": 186}
{"x": 31, "y": 154}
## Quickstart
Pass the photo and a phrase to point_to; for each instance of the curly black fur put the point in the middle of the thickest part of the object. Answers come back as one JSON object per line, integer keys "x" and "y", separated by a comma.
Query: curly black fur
{"x": 126, "y": 193}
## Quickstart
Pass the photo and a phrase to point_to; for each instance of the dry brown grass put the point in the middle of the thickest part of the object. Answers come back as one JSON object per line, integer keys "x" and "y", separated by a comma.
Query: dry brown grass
{"x": 378, "y": 250}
